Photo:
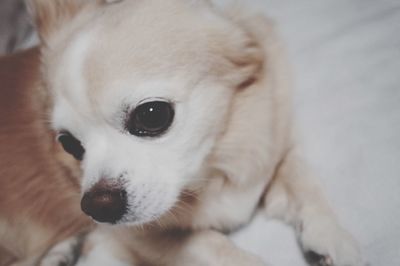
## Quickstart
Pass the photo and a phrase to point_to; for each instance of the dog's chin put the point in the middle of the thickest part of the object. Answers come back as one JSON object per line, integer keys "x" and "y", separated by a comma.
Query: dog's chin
{"x": 139, "y": 221}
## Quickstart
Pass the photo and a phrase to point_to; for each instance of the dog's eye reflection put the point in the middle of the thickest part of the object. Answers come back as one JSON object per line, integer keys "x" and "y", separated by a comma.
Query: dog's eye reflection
{"x": 150, "y": 119}
{"x": 71, "y": 145}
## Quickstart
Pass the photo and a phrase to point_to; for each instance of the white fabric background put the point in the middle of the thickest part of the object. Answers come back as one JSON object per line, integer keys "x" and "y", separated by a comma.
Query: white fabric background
{"x": 346, "y": 58}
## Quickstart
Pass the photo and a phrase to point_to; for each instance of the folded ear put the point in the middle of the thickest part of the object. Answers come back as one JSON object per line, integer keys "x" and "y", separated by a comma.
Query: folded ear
{"x": 50, "y": 15}
{"x": 247, "y": 63}
{"x": 258, "y": 128}
{"x": 245, "y": 53}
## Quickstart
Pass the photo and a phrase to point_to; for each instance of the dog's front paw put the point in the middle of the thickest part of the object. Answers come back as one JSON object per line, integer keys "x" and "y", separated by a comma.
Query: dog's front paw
{"x": 56, "y": 260}
{"x": 325, "y": 243}
{"x": 65, "y": 253}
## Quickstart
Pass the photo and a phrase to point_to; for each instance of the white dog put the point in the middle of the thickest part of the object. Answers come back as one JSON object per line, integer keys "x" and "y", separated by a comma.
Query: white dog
{"x": 179, "y": 115}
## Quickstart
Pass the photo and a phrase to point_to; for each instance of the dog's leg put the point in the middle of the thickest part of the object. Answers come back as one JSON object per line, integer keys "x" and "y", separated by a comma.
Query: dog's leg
{"x": 168, "y": 248}
{"x": 65, "y": 253}
{"x": 295, "y": 197}
{"x": 204, "y": 248}
{"x": 28, "y": 262}
{"x": 102, "y": 248}
{"x": 124, "y": 246}
{"x": 92, "y": 249}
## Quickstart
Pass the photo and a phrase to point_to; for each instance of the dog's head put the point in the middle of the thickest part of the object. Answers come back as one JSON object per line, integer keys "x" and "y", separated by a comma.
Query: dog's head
{"x": 141, "y": 91}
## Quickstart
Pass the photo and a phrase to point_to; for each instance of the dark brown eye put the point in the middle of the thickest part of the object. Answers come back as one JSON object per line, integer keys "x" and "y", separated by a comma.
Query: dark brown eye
{"x": 150, "y": 119}
{"x": 71, "y": 145}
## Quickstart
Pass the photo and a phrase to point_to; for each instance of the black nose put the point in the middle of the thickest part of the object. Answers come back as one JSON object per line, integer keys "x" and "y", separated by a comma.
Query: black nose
{"x": 105, "y": 203}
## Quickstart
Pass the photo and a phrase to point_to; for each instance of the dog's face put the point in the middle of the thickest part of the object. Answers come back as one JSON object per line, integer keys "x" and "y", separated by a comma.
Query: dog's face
{"x": 141, "y": 91}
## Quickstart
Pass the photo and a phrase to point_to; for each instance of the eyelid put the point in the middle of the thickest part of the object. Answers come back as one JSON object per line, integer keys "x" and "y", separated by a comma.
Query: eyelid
{"x": 154, "y": 99}
{"x": 61, "y": 132}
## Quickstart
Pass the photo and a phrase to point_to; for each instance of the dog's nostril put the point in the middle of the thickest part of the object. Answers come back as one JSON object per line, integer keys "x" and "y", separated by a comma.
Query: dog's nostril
{"x": 105, "y": 204}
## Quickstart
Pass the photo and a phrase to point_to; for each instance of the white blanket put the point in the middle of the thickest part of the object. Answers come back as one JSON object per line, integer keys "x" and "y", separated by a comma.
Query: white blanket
{"x": 346, "y": 58}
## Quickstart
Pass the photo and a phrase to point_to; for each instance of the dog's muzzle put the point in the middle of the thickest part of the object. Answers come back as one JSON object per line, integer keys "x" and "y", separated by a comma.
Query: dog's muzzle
{"x": 105, "y": 202}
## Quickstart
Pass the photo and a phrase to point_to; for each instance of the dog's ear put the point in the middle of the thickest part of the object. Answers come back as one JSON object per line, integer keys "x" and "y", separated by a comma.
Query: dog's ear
{"x": 245, "y": 150}
{"x": 50, "y": 15}
{"x": 244, "y": 53}
{"x": 246, "y": 63}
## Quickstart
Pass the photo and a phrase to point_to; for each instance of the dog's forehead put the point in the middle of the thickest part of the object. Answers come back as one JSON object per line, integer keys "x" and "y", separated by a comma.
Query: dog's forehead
{"x": 135, "y": 42}
{"x": 150, "y": 40}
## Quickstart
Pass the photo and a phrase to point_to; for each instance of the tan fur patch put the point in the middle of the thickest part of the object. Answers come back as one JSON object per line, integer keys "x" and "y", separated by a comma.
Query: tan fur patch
{"x": 37, "y": 190}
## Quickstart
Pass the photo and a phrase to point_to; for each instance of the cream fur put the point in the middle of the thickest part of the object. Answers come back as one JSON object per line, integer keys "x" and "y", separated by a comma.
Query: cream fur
{"x": 231, "y": 145}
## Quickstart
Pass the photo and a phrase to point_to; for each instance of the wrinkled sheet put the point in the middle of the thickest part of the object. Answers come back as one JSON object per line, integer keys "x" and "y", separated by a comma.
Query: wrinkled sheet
{"x": 346, "y": 59}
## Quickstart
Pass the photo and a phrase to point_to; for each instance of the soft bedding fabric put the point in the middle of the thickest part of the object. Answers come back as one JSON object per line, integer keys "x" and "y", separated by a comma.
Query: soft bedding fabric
{"x": 346, "y": 58}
